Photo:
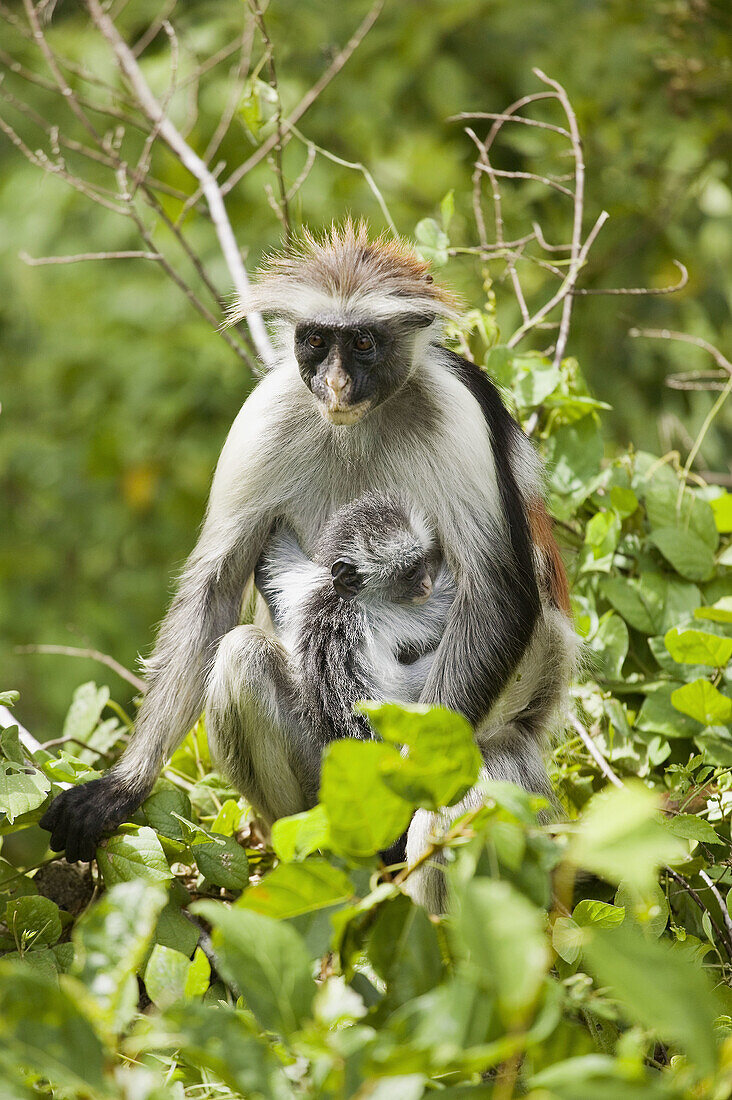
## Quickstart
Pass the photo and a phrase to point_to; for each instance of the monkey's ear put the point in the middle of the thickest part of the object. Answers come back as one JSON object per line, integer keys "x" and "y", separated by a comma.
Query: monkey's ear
{"x": 347, "y": 580}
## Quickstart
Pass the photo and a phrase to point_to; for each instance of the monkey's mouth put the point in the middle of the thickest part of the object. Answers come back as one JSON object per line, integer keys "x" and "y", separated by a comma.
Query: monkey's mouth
{"x": 336, "y": 413}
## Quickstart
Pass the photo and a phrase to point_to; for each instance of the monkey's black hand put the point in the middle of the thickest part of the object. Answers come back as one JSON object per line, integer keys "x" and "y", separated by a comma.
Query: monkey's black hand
{"x": 78, "y": 818}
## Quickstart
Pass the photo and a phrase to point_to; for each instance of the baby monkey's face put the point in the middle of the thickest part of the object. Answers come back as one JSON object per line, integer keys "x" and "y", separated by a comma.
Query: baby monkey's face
{"x": 406, "y": 582}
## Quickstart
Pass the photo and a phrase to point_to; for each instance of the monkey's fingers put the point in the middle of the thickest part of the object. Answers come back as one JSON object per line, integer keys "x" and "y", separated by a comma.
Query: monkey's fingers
{"x": 79, "y": 817}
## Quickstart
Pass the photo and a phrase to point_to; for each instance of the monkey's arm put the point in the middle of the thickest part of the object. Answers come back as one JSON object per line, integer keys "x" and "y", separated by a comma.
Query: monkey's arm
{"x": 489, "y": 549}
{"x": 206, "y": 606}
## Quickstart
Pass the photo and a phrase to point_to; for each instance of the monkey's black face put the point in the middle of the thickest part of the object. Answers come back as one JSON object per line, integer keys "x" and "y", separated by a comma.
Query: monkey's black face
{"x": 352, "y": 369}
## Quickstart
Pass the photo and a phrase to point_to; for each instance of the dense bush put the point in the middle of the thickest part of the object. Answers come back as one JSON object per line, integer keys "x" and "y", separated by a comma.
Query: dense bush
{"x": 584, "y": 960}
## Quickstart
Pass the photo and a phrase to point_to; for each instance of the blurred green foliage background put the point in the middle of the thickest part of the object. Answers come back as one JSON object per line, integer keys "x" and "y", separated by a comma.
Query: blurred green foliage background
{"x": 117, "y": 397}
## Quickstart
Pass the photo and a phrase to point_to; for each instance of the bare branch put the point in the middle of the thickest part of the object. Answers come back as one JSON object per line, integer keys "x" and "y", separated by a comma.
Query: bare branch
{"x": 88, "y": 654}
{"x": 192, "y": 162}
{"x": 668, "y": 334}
{"x": 643, "y": 291}
{"x": 594, "y": 751}
{"x": 143, "y": 163}
{"x": 7, "y": 718}
{"x": 43, "y": 261}
{"x": 485, "y": 165}
{"x": 546, "y": 180}
{"x": 511, "y": 118}
{"x": 574, "y": 268}
{"x": 154, "y": 29}
{"x": 282, "y": 204}
{"x": 579, "y": 200}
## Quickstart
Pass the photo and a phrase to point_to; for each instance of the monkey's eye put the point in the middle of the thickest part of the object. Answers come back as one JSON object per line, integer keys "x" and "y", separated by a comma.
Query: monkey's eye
{"x": 316, "y": 340}
{"x": 413, "y": 573}
{"x": 363, "y": 342}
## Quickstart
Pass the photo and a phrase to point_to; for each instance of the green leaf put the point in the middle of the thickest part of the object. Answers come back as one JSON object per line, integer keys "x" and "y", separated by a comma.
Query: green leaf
{"x": 268, "y": 962}
{"x": 135, "y": 855}
{"x": 22, "y": 788}
{"x": 447, "y": 209}
{"x": 33, "y": 921}
{"x": 9, "y": 698}
{"x": 110, "y": 943}
{"x": 227, "y": 819}
{"x": 722, "y": 509}
{"x": 298, "y": 836}
{"x": 647, "y": 907}
{"x": 620, "y": 836}
{"x": 574, "y": 453}
{"x": 609, "y": 646}
{"x": 567, "y": 939}
{"x": 404, "y": 950}
{"x": 223, "y": 861}
{"x": 720, "y": 612}
{"x": 198, "y": 976}
{"x": 365, "y": 814}
{"x": 691, "y": 827}
{"x": 85, "y": 711}
{"x": 653, "y": 604}
{"x": 687, "y": 553}
{"x": 10, "y": 746}
{"x": 659, "y": 715}
{"x": 667, "y": 506}
{"x": 536, "y": 377}
{"x": 432, "y": 242}
{"x": 44, "y": 1025}
{"x": 696, "y": 647}
{"x": 623, "y": 501}
{"x": 295, "y": 888}
{"x": 159, "y": 808}
{"x": 442, "y": 761}
{"x": 702, "y": 701}
{"x": 504, "y": 935}
{"x": 598, "y": 914}
{"x": 658, "y": 989}
{"x": 165, "y": 976}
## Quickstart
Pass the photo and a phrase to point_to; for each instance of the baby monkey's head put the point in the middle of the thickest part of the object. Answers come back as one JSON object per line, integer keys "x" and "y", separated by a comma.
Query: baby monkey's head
{"x": 377, "y": 548}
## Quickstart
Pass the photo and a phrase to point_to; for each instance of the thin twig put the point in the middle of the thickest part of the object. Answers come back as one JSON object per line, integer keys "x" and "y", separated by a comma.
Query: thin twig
{"x": 213, "y": 194}
{"x": 284, "y": 209}
{"x": 722, "y": 905}
{"x": 88, "y": 654}
{"x": 511, "y": 118}
{"x": 595, "y": 752}
{"x": 682, "y": 882}
{"x": 564, "y": 289}
{"x": 668, "y": 334}
{"x": 642, "y": 291}
{"x": 579, "y": 200}
{"x": 41, "y": 261}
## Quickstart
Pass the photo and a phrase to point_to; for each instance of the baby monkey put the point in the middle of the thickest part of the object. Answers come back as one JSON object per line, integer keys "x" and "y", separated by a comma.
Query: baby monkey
{"x": 360, "y": 621}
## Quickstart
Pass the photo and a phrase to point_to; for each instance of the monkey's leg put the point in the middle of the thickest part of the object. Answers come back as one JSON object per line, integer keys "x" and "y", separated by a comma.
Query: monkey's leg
{"x": 252, "y": 723}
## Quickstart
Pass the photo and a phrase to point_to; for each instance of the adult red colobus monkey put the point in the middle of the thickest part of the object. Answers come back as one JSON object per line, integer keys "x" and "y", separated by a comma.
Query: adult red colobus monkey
{"x": 362, "y": 399}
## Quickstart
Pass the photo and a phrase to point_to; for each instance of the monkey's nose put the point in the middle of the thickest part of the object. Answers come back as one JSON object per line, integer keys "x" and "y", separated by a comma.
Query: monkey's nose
{"x": 425, "y": 588}
{"x": 336, "y": 379}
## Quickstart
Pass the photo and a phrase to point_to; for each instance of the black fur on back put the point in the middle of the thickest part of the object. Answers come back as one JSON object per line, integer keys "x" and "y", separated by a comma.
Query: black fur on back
{"x": 515, "y": 591}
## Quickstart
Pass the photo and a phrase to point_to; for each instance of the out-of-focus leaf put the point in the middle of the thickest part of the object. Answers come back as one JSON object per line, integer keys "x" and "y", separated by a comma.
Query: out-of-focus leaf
{"x": 85, "y": 711}
{"x": 658, "y": 989}
{"x": 111, "y": 941}
{"x": 268, "y": 962}
{"x": 688, "y": 554}
{"x": 505, "y": 938}
{"x": 298, "y": 836}
{"x": 165, "y": 976}
{"x": 719, "y": 612}
{"x": 653, "y": 604}
{"x": 295, "y": 888}
{"x": 620, "y": 836}
{"x": 442, "y": 761}
{"x": 45, "y": 1026}
{"x": 365, "y": 813}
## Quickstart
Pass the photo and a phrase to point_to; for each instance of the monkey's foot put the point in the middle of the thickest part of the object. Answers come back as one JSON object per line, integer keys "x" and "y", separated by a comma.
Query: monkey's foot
{"x": 78, "y": 818}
